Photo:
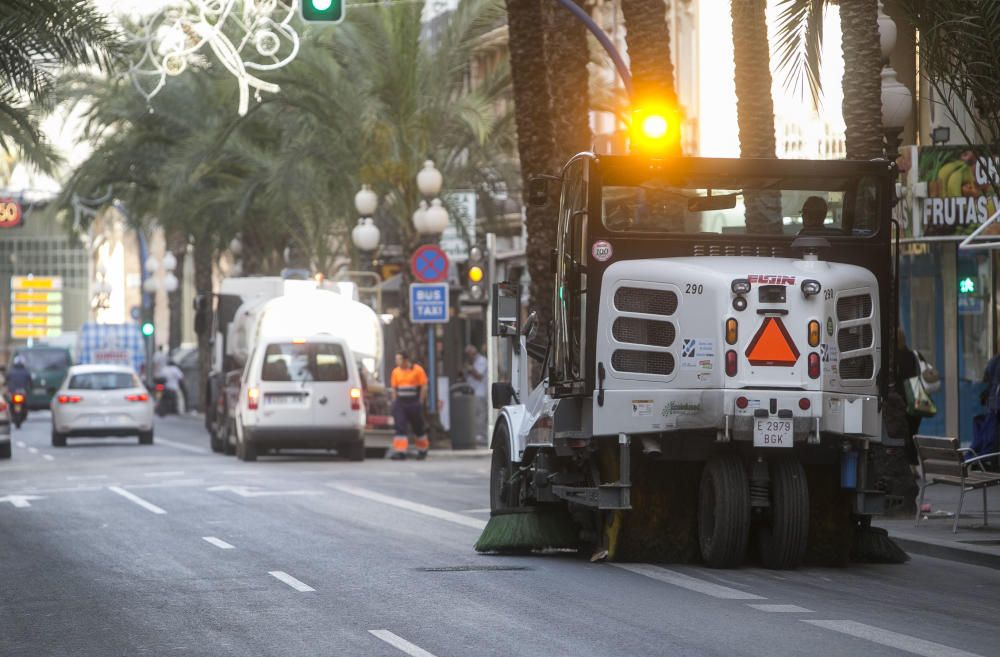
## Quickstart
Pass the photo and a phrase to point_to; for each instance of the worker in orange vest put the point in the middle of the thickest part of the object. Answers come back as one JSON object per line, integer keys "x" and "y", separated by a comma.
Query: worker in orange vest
{"x": 409, "y": 393}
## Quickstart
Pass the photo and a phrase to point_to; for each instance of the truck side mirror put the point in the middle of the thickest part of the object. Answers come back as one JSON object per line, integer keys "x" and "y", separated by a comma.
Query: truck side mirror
{"x": 501, "y": 394}
{"x": 506, "y": 310}
{"x": 202, "y": 314}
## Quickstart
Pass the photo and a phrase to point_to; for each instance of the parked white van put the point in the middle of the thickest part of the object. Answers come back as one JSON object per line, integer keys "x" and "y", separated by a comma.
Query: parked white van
{"x": 301, "y": 393}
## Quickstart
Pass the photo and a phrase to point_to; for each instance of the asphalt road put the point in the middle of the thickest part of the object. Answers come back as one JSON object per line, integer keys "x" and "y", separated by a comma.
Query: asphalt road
{"x": 108, "y": 548}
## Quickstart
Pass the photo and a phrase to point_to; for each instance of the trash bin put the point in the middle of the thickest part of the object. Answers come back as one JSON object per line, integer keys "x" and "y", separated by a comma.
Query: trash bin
{"x": 463, "y": 416}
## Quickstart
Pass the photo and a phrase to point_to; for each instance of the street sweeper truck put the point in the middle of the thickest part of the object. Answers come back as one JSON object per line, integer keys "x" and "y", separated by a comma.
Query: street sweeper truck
{"x": 716, "y": 366}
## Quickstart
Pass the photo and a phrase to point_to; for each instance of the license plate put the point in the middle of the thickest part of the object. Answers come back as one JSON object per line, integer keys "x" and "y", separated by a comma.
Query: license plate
{"x": 772, "y": 432}
{"x": 282, "y": 400}
{"x": 39, "y": 391}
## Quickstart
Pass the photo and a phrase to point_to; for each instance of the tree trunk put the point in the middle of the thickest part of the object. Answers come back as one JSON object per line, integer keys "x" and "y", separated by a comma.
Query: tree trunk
{"x": 177, "y": 244}
{"x": 647, "y": 36}
{"x": 754, "y": 105}
{"x": 567, "y": 56}
{"x": 203, "y": 262}
{"x": 862, "y": 79}
{"x": 535, "y": 143}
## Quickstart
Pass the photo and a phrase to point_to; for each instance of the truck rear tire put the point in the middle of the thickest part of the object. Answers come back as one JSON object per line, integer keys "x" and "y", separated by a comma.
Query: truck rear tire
{"x": 58, "y": 439}
{"x": 782, "y": 541}
{"x": 246, "y": 450}
{"x": 215, "y": 441}
{"x": 724, "y": 511}
{"x": 502, "y": 496}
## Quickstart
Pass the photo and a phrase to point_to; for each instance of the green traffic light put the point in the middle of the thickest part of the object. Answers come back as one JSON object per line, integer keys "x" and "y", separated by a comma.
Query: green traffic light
{"x": 147, "y": 329}
{"x": 323, "y": 11}
{"x": 967, "y": 285}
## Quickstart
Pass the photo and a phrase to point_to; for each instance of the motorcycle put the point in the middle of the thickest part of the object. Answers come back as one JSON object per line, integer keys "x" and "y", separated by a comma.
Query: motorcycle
{"x": 165, "y": 398}
{"x": 18, "y": 408}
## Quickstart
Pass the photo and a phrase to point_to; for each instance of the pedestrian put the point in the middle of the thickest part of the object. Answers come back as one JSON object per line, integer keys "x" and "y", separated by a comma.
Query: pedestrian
{"x": 159, "y": 361}
{"x": 408, "y": 385}
{"x": 910, "y": 378}
{"x": 984, "y": 434}
{"x": 174, "y": 382}
{"x": 475, "y": 372}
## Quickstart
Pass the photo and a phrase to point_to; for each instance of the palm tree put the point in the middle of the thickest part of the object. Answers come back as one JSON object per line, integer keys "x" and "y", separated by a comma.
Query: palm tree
{"x": 647, "y": 36}
{"x": 799, "y": 42}
{"x": 39, "y": 37}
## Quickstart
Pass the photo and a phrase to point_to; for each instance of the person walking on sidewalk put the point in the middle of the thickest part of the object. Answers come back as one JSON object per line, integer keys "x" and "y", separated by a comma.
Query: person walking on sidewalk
{"x": 475, "y": 371}
{"x": 409, "y": 393}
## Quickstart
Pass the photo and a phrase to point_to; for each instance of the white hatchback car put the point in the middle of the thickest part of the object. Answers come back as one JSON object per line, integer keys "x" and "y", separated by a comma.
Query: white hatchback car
{"x": 301, "y": 393}
{"x": 101, "y": 400}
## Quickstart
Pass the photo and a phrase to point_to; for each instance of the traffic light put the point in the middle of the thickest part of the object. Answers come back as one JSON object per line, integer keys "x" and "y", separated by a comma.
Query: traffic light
{"x": 476, "y": 276}
{"x": 147, "y": 329}
{"x": 322, "y": 11}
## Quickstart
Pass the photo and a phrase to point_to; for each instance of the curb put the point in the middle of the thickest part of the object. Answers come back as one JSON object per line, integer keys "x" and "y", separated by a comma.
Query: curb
{"x": 930, "y": 547}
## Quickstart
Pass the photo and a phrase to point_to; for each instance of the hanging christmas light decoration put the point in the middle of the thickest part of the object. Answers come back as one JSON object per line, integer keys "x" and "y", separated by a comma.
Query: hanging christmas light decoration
{"x": 248, "y": 37}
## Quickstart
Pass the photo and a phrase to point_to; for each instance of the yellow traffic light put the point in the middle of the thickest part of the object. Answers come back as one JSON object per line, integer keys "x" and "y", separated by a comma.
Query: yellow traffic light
{"x": 475, "y": 273}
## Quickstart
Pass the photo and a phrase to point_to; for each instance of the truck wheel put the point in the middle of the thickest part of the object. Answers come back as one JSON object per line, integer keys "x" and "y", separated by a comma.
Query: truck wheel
{"x": 217, "y": 440}
{"x": 229, "y": 439}
{"x": 145, "y": 437}
{"x": 503, "y": 496}
{"x": 782, "y": 541}
{"x": 245, "y": 449}
{"x": 723, "y": 511}
{"x": 58, "y": 439}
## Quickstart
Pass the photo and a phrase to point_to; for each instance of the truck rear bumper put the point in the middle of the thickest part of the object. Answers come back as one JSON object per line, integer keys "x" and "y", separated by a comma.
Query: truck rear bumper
{"x": 303, "y": 437}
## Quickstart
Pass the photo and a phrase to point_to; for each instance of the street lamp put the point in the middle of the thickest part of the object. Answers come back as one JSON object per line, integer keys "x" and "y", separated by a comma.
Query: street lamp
{"x": 366, "y": 234}
{"x": 897, "y": 101}
{"x": 430, "y": 219}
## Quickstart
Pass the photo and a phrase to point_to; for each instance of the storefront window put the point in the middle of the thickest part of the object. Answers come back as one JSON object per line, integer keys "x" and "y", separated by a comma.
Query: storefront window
{"x": 922, "y": 314}
{"x": 975, "y": 334}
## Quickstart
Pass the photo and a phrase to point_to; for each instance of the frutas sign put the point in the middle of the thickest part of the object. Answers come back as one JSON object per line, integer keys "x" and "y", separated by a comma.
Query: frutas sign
{"x": 11, "y": 214}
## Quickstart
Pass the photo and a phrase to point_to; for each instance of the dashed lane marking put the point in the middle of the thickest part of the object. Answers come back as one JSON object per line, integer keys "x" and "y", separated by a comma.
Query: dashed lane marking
{"x": 131, "y": 497}
{"x": 175, "y": 473}
{"x": 32, "y": 450}
{"x": 422, "y": 509}
{"x": 183, "y": 446}
{"x": 687, "y": 582}
{"x": 896, "y": 640}
{"x": 218, "y": 542}
{"x": 48, "y": 457}
{"x": 282, "y": 576}
{"x": 782, "y": 609}
{"x": 21, "y": 444}
{"x": 400, "y": 643}
{"x": 85, "y": 477}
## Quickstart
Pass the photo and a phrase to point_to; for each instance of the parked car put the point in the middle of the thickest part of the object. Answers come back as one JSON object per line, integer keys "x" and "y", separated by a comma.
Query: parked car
{"x": 300, "y": 393}
{"x": 48, "y": 366}
{"x": 5, "y": 447}
{"x": 102, "y": 400}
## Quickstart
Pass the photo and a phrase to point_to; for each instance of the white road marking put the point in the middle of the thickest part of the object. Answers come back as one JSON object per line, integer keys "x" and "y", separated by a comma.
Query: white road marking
{"x": 184, "y": 446}
{"x": 83, "y": 477}
{"x": 135, "y": 498}
{"x": 33, "y": 450}
{"x": 399, "y": 642}
{"x": 882, "y": 637}
{"x": 248, "y": 491}
{"x": 782, "y": 609}
{"x": 20, "y": 501}
{"x": 423, "y": 509}
{"x": 21, "y": 444}
{"x": 687, "y": 582}
{"x": 48, "y": 457}
{"x": 163, "y": 474}
{"x": 218, "y": 542}
{"x": 291, "y": 581}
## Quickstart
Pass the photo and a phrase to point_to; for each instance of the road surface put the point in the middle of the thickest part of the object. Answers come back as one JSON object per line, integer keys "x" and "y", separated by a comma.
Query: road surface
{"x": 109, "y": 548}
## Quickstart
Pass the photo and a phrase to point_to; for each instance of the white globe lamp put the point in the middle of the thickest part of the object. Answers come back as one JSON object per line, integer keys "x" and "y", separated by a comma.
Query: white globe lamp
{"x": 420, "y": 218}
{"x": 897, "y": 101}
{"x": 169, "y": 261}
{"x": 436, "y": 218}
{"x": 366, "y": 201}
{"x": 150, "y": 286}
{"x": 152, "y": 265}
{"x": 235, "y": 246}
{"x": 365, "y": 235}
{"x": 170, "y": 282}
{"x": 429, "y": 180}
{"x": 886, "y": 33}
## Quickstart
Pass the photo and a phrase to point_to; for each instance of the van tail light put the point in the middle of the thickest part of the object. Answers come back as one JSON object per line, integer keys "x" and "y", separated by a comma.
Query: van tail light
{"x": 141, "y": 397}
{"x": 813, "y": 333}
{"x": 355, "y": 399}
{"x": 253, "y": 398}
{"x": 732, "y": 330}
{"x": 69, "y": 399}
{"x": 730, "y": 363}
{"x": 814, "y": 365}
{"x": 18, "y": 398}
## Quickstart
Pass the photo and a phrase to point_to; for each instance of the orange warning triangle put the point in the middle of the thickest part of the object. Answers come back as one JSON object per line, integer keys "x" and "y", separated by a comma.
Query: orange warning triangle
{"x": 772, "y": 345}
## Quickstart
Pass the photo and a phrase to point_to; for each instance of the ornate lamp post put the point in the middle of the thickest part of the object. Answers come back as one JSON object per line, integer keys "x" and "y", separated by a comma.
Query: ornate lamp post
{"x": 366, "y": 234}
{"x": 897, "y": 101}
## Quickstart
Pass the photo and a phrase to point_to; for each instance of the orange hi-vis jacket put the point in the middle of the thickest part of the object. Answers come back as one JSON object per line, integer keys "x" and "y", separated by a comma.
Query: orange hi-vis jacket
{"x": 408, "y": 382}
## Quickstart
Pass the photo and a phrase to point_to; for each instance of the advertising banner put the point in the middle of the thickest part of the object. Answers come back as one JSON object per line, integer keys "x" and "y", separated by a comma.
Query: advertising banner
{"x": 953, "y": 190}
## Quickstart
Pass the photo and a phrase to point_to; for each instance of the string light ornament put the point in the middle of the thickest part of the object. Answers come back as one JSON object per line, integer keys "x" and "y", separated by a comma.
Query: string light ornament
{"x": 248, "y": 37}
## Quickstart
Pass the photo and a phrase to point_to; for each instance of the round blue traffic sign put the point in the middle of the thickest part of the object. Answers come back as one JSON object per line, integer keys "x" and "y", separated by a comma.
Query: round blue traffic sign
{"x": 429, "y": 264}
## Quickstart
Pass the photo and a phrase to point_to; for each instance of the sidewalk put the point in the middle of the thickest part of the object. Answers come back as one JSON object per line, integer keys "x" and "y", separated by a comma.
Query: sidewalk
{"x": 932, "y": 537}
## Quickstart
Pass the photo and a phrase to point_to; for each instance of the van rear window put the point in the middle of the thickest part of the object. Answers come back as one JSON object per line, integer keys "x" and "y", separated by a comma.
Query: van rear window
{"x": 304, "y": 362}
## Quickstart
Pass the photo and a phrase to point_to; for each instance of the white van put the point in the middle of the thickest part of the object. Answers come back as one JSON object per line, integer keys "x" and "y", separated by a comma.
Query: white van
{"x": 301, "y": 393}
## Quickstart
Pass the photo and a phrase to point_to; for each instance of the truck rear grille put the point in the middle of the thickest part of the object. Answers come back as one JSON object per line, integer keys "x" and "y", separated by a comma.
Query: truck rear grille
{"x": 644, "y": 331}
{"x": 643, "y": 362}
{"x": 643, "y": 300}
{"x": 855, "y": 337}
{"x": 858, "y": 306}
{"x": 859, "y": 367}
{"x": 746, "y": 250}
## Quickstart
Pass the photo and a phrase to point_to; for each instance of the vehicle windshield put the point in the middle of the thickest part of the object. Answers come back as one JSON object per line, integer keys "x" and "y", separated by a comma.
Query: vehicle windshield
{"x": 304, "y": 362}
{"x": 42, "y": 360}
{"x": 752, "y": 206}
{"x": 103, "y": 381}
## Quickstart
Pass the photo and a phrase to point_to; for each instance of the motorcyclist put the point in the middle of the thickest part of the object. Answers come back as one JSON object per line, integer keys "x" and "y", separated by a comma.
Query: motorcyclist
{"x": 18, "y": 376}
